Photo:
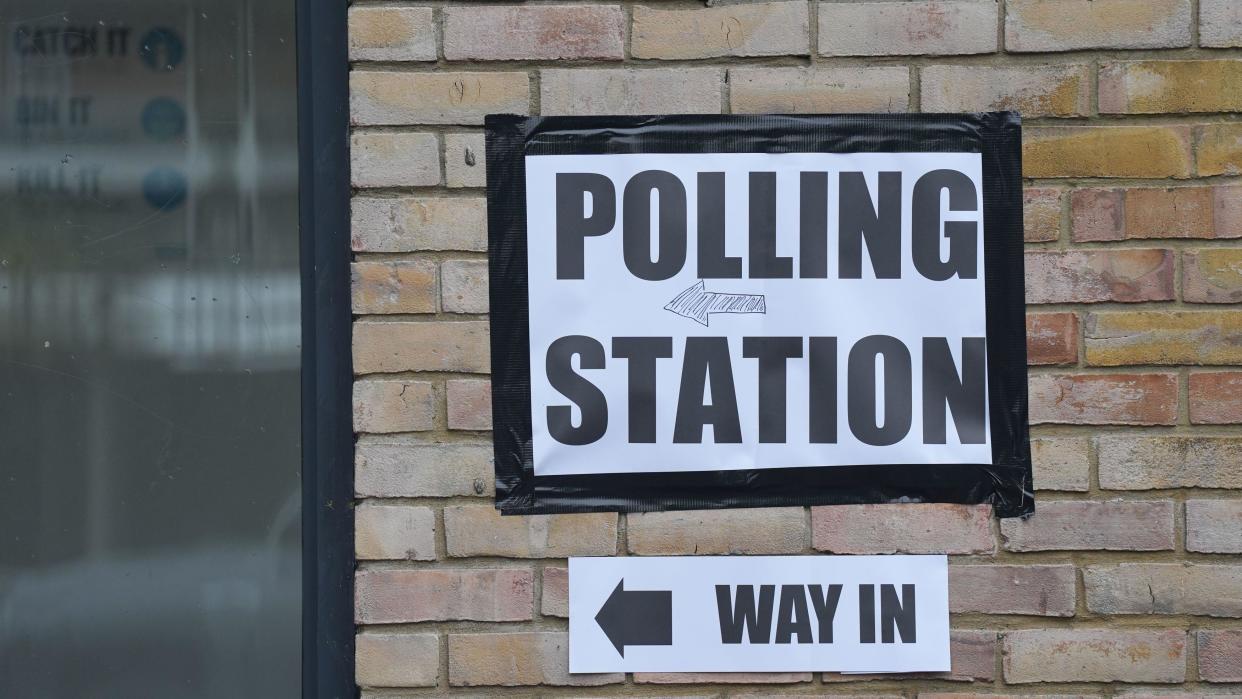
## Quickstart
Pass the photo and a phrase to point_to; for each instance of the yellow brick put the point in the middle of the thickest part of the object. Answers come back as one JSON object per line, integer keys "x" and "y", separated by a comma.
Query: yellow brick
{"x": 1107, "y": 151}
{"x": 1158, "y": 337}
{"x": 1220, "y": 149}
{"x": 383, "y": 347}
{"x": 1156, "y": 87}
{"x": 389, "y": 97}
{"x": 763, "y": 29}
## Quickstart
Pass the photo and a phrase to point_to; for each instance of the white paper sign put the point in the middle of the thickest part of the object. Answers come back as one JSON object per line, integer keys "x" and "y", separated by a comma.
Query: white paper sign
{"x": 759, "y": 614}
{"x": 694, "y": 312}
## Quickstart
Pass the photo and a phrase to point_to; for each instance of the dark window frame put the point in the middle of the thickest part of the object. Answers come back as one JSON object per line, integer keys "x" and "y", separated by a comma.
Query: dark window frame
{"x": 327, "y": 433}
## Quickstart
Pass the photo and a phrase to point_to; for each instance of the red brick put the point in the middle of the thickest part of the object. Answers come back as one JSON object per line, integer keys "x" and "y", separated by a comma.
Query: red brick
{"x": 1087, "y": 526}
{"x": 1051, "y": 338}
{"x": 1154, "y": 212}
{"x": 1216, "y": 398}
{"x": 1039, "y": 590}
{"x": 1094, "y": 655}
{"x": 469, "y": 404}
{"x": 1104, "y": 399}
{"x": 906, "y": 528}
{"x": 537, "y": 33}
{"x": 407, "y": 596}
{"x": 1095, "y": 276}
{"x": 1220, "y": 655}
{"x": 1214, "y": 526}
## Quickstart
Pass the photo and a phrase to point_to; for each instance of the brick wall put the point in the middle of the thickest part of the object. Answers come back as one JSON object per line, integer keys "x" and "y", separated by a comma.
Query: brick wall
{"x": 1129, "y": 572}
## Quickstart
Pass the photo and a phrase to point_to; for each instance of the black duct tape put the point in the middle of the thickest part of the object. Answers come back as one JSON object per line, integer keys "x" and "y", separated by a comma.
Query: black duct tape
{"x": 1006, "y": 483}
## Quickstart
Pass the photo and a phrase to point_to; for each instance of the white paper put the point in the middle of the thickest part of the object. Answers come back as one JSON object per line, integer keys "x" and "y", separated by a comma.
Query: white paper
{"x": 696, "y": 636}
{"x": 611, "y": 302}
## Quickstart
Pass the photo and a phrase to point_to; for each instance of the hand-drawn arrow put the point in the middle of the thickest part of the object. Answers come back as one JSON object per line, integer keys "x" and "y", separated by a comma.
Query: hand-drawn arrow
{"x": 696, "y": 303}
{"x": 637, "y": 618}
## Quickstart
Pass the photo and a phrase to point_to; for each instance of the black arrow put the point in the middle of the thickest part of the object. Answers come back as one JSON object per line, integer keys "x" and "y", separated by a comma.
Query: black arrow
{"x": 697, "y": 304}
{"x": 637, "y": 618}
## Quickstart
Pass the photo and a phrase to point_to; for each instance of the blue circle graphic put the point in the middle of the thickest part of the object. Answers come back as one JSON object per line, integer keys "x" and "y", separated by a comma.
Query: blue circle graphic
{"x": 164, "y": 188}
{"x": 163, "y": 119}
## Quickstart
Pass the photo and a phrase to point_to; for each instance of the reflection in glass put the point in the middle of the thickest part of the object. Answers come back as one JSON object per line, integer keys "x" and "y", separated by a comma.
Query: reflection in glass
{"x": 149, "y": 350}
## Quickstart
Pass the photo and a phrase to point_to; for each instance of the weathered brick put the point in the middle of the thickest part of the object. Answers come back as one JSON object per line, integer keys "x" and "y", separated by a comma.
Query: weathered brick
{"x": 1039, "y": 590}
{"x": 1070, "y": 25}
{"x": 1220, "y": 150}
{"x": 1106, "y": 151}
{"x": 1220, "y": 23}
{"x": 1148, "y": 463}
{"x": 907, "y": 528}
{"x": 397, "y": 659}
{"x": 1115, "y": 525}
{"x": 396, "y": 286}
{"x": 630, "y": 91}
{"x": 469, "y": 404}
{"x": 1094, "y": 655}
{"x": 394, "y": 532}
{"x": 430, "y": 346}
{"x": 555, "y": 599}
{"x": 412, "y": 470}
{"x": 1216, "y": 398}
{"x": 463, "y": 286}
{"x": 1051, "y": 338}
{"x": 1214, "y": 526}
{"x": 537, "y": 33}
{"x": 1165, "y": 87}
{"x": 1041, "y": 213}
{"x": 721, "y": 677}
{"x": 819, "y": 90}
{"x": 1212, "y": 275}
{"x": 403, "y": 224}
{"x": 761, "y": 29}
{"x": 1164, "y": 588}
{"x": 1094, "y": 276}
{"x": 516, "y": 659}
{"x": 972, "y": 654}
{"x": 394, "y": 160}
{"x": 391, "y": 97}
{"x": 1154, "y": 212}
{"x": 465, "y": 160}
{"x": 391, "y": 34}
{"x": 1097, "y": 214}
{"x": 1051, "y": 90}
{"x": 762, "y": 530}
{"x": 1220, "y": 655}
{"x": 1061, "y": 463}
{"x": 477, "y": 594}
{"x": 1104, "y": 399}
{"x": 394, "y": 406}
{"x": 479, "y": 530}
{"x": 1164, "y": 337}
{"x": 935, "y": 27}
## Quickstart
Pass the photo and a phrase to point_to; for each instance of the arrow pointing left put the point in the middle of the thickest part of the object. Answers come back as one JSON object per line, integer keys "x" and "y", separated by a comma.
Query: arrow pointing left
{"x": 637, "y": 618}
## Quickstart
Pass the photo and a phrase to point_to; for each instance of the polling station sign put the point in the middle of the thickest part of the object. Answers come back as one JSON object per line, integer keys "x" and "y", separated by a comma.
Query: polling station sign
{"x": 759, "y": 614}
{"x": 737, "y": 311}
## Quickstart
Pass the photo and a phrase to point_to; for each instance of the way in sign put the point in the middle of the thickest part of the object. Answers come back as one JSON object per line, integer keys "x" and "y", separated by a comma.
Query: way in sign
{"x": 777, "y": 613}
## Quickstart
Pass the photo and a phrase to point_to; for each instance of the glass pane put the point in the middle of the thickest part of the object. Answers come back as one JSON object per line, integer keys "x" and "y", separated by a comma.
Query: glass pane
{"x": 149, "y": 350}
